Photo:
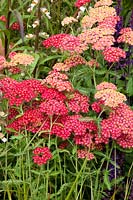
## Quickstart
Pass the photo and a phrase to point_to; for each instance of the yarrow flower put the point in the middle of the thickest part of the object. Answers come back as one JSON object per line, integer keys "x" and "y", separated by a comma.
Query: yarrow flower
{"x": 103, "y": 3}
{"x": 126, "y": 36}
{"x": 15, "y": 26}
{"x": 106, "y": 85}
{"x": 100, "y": 13}
{"x": 41, "y": 155}
{"x": 85, "y": 154}
{"x": 80, "y": 3}
{"x": 68, "y": 20}
{"x": 58, "y": 80}
{"x": 111, "y": 97}
{"x": 119, "y": 126}
{"x": 113, "y": 54}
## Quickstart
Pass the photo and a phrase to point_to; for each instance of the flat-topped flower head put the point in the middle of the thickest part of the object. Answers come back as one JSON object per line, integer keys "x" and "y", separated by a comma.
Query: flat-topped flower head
{"x": 80, "y": 3}
{"x": 111, "y": 97}
{"x": 41, "y": 155}
{"x": 22, "y": 59}
{"x": 85, "y": 154}
{"x": 103, "y": 3}
{"x": 100, "y": 13}
{"x": 119, "y": 126}
{"x": 126, "y": 36}
{"x": 113, "y": 54}
{"x": 106, "y": 85}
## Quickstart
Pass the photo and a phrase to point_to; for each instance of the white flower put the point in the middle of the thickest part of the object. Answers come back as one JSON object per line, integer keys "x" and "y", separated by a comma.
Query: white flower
{"x": 46, "y": 12}
{"x": 35, "y": 24}
{"x": 30, "y": 36}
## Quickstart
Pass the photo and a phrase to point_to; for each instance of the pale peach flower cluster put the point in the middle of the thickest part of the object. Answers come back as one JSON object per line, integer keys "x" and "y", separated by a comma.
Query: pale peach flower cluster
{"x": 126, "y": 36}
{"x": 87, "y": 22}
{"x": 103, "y": 3}
{"x": 16, "y": 60}
{"x": 107, "y": 93}
{"x": 68, "y": 20}
{"x": 100, "y": 13}
{"x": 21, "y": 59}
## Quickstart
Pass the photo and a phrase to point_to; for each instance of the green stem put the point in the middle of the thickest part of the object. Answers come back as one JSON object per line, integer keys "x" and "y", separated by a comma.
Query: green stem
{"x": 78, "y": 175}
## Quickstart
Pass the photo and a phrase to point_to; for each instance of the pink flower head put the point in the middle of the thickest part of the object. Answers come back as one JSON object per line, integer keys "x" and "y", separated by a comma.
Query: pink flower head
{"x": 113, "y": 54}
{"x": 54, "y": 40}
{"x": 85, "y": 154}
{"x": 3, "y": 18}
{"x": 80, "y": 3}
{"x": 41, "y": 155}
{"x": 15, "y": 26}
{"x": 2, "y": 60}
{"x": 12, "y": 54}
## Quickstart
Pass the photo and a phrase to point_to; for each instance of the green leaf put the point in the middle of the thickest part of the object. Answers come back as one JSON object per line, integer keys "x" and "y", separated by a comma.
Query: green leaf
{"x": 130, "y": 86}
{"x": 33, "y": 65}
{"x": 106, "y": 179}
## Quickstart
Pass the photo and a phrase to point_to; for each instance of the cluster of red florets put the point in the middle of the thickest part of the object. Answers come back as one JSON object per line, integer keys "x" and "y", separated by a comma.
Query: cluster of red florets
{"x": 41, "y": 155}
{"x": 15, "y": 26}
{"x": 119, "y": 126}
{"x": 97, "y": 106}
{"x": 80, "y": 3}
{"x": 19, "y": 92}
{"x": 54, "y": 40}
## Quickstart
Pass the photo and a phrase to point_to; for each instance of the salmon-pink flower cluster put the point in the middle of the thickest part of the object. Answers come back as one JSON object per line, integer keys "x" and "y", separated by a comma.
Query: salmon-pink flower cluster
{"x": 126, "y": 36}
{"x": 106, "y": 85}
{"x": 80, "y": 3}
{"x": 113, "y": 54}
{"x": 58, "y": 80}
{"x": 41, "y": 155}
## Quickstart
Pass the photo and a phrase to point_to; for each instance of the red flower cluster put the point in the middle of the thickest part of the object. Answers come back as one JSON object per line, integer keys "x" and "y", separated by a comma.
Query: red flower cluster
{"x": 79, "y": 103}
{"x": 80, "y": 3}
{"x": 41, "y": 155}
{"x": 119, "y": 126}
{"x": 19, "y": 92}
{"x": 54, "y": 40}
{"x": 97, "y": 106}
{"x": 15, "y": 26}
{"x": 113, "y": 54}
